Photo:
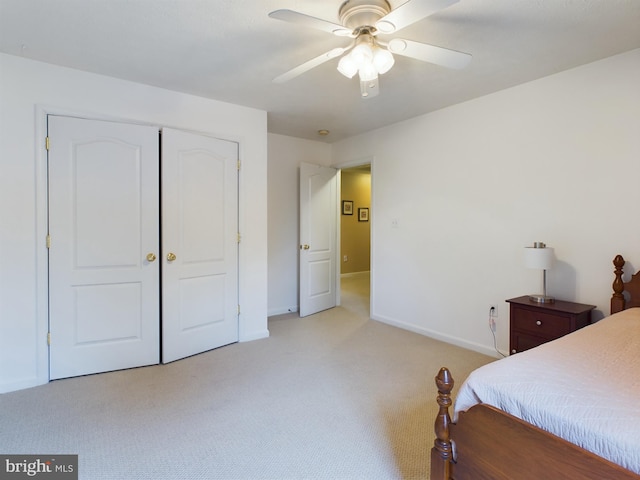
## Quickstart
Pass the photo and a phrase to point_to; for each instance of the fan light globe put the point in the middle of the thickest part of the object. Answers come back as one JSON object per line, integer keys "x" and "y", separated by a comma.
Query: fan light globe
{"x": 382, "y": 60}
{"x": 347, "y": 67}
{"x": 367, "y": 73}
{"x": 362, "y": 54}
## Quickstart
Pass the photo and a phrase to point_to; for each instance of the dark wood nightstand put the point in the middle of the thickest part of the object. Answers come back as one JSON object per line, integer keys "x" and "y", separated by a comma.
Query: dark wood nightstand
{"x": 532, "y": 324}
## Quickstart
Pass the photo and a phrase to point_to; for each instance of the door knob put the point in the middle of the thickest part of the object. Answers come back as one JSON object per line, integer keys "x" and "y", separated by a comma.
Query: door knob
{"x": 171, "y": 256}
{"x": 304, "y": 247}
{"x": 151, "y": 257}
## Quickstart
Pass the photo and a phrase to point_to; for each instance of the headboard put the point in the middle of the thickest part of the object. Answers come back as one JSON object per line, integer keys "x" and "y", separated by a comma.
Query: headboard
{"x": 632, "y": 287}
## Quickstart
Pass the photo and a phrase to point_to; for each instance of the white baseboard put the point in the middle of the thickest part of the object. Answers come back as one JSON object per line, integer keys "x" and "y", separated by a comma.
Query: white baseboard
{"x": 476, "y": 347}
{"x": 281, "y": 310}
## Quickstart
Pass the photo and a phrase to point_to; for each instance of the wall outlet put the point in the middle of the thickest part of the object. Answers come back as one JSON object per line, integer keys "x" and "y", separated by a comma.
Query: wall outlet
{"x": 345, "y": 258}
{"x": 493, "y": 311}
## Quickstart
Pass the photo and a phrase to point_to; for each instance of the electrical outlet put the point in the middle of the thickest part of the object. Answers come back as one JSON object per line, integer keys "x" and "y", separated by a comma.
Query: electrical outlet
{"x": 345, "y": 259}
{"x": 493, "y": 311}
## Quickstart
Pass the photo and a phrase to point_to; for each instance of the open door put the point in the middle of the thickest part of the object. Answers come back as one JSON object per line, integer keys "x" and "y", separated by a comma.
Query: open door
{"x": 318, "y": 238}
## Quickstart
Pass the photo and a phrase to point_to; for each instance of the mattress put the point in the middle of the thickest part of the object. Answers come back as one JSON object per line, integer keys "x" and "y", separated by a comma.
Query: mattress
{"x": 583, "y": 387}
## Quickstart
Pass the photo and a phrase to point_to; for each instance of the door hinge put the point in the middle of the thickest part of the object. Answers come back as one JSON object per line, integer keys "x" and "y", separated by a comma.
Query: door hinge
{"x": 239, "y": 164}
{"x": 238, "y": 309}
{"x": 46, "y": 143}
{"x": 49, "y": 338}
{"x": 239, "y": 237}
{"x": 48, "y": 241}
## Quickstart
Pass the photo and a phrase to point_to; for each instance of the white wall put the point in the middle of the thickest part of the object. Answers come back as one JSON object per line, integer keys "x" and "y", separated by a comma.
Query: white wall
{"x": 27, "y": 90}
{"x": 285, "y": 156}
{"x": 555, "y": 160}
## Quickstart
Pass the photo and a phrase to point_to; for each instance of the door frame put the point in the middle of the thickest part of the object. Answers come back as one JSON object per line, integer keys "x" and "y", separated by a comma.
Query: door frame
{"x": 368, "y": 160}
{"x": 41, "y": 112}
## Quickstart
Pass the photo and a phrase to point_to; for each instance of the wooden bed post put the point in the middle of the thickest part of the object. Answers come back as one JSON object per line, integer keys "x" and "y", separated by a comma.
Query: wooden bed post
{"x": 617, "y": 299}
{"x": 441, "y": 453}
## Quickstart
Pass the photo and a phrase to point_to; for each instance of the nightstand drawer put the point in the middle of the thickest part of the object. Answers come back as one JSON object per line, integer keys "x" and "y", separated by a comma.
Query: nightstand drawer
{"x": 539, "y": 323}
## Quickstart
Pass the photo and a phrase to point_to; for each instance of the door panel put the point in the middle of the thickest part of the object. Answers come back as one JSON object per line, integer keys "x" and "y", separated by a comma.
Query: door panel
{"x": 318, "y": 238}
{"x": 199, "y": 227}
{"x": 104, "y": 219}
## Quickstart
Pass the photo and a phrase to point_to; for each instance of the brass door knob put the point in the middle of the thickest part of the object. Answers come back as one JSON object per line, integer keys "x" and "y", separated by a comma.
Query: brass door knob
{"x": 304, "y": 247}
{"x": 151, "y": 257}
{"x": 171, "y": 256}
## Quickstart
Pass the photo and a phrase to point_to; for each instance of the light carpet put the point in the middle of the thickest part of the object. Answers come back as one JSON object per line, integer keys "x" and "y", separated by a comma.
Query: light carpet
{"x": 331, "y": 396}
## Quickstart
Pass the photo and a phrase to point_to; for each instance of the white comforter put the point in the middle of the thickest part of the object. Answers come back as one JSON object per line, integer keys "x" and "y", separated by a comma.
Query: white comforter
{"x": 584, "y": 387}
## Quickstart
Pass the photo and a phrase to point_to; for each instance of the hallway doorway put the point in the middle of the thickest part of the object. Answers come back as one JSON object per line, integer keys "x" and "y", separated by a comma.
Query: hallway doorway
{"x": 355, "y": 234}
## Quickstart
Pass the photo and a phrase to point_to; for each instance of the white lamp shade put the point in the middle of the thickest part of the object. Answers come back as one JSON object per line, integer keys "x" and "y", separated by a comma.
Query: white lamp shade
{"x": 540, "y": 258}
{"x": 367, "y": 73}
{"x": 382, "y": 60}
{"x": 362, "y": 54}
{"x": 347, "y": 67}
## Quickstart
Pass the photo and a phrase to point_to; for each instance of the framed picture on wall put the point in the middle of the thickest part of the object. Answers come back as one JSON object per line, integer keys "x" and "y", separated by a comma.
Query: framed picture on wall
{"x": 347, "y": 207}
{"x": 363, "y": 214}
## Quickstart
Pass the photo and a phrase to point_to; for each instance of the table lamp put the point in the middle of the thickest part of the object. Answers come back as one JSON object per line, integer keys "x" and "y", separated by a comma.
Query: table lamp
{"x": 540, "y": 257}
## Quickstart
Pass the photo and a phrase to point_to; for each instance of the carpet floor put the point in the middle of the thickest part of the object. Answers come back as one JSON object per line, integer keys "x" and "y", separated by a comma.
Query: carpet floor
{"x": 331, "y": 396}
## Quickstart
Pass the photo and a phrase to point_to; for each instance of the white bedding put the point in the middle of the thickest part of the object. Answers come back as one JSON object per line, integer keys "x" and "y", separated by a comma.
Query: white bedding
{"x": 583, "y": 387}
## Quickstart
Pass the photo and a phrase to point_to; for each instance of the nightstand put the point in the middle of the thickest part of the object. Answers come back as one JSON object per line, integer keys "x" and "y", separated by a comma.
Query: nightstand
{"x": 532, "y": 324}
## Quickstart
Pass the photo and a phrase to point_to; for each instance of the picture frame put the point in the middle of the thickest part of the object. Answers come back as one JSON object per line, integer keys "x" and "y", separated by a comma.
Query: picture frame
{"x": 363, "y": 214}
{"x": 347, "y": 207}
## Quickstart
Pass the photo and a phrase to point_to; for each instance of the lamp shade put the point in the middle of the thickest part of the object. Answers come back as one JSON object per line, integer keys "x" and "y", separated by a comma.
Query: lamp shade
{"x": 539, "y": 256}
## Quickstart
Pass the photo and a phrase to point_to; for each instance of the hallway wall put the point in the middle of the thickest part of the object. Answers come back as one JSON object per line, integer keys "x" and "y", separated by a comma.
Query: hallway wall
{"x": 355, "y": 234}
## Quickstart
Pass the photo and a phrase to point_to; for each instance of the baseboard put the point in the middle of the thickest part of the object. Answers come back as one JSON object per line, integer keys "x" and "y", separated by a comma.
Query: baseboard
{"x": 476, "y": 347}
{"x": 353, "y": 274}
{"x": 281, "y": 311}
{"x": 21, "y": 385}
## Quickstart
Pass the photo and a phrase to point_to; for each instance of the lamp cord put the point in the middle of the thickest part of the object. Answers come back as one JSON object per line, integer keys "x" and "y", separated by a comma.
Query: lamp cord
{"x": 495, "y": 345}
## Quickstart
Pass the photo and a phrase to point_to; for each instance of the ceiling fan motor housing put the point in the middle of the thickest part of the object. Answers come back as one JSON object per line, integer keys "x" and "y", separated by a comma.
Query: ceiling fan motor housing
{"x": 355, "y": 14}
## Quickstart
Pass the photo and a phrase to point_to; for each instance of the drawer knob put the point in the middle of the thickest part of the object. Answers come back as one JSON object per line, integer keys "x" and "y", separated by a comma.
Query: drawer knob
{"x": 538, "y": 322}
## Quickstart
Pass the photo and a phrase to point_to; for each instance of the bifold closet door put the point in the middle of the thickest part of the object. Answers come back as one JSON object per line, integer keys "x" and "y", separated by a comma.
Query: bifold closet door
{"x": 103, "y": 226}
{"x": 199, "y": 243}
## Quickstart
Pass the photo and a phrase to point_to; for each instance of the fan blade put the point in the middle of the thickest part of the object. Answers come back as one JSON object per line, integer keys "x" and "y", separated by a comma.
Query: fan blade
{"x": 409, "y": 13}
{"x": 429, "y": 53}
{"x": 309, "y": 21}
{"x": 306, "y": 66}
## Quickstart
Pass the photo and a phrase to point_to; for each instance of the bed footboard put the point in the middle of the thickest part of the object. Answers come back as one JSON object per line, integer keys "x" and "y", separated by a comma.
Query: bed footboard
{"x": 442, "y": 451}
{"x": 489, "y": 444}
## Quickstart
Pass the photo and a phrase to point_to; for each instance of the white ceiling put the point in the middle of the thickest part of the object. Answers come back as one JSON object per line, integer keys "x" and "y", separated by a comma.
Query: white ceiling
{"x": 230, "y": 50}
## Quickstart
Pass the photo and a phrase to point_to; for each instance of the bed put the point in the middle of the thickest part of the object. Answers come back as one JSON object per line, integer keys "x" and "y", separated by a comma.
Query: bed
{"x": 568, "y": 409}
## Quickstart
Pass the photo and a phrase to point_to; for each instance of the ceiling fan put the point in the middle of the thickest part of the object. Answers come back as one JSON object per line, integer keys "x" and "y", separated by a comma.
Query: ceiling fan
{"x": 363, "y": 21}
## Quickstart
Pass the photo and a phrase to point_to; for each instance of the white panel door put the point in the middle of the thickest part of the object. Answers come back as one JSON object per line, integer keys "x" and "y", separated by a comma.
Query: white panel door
{"x": 199, "y": 244}
{"x": 318, "y": 238}
{"x": 103, "y": 222}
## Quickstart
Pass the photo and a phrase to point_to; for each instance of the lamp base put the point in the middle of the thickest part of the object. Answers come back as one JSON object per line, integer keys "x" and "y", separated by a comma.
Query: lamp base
{"x": 541, "y": 299}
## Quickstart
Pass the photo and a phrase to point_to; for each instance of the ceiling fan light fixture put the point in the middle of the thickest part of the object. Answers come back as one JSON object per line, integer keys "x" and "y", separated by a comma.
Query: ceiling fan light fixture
{"x": 362, "y": 54}
{"x": 367, "y": 73}
{"x": 382, "y": 60}
{"x": 369, "y": 88}
{"x": 347, "y": 67}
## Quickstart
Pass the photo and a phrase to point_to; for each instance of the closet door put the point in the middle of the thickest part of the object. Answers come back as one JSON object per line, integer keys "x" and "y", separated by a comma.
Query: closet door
{"x": 103, "y": 225}
{"x": 199, "y": 243}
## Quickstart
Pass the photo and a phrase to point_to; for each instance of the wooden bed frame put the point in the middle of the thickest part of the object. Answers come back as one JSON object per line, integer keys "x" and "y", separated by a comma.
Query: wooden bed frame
{"x": 489, "y": 444}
